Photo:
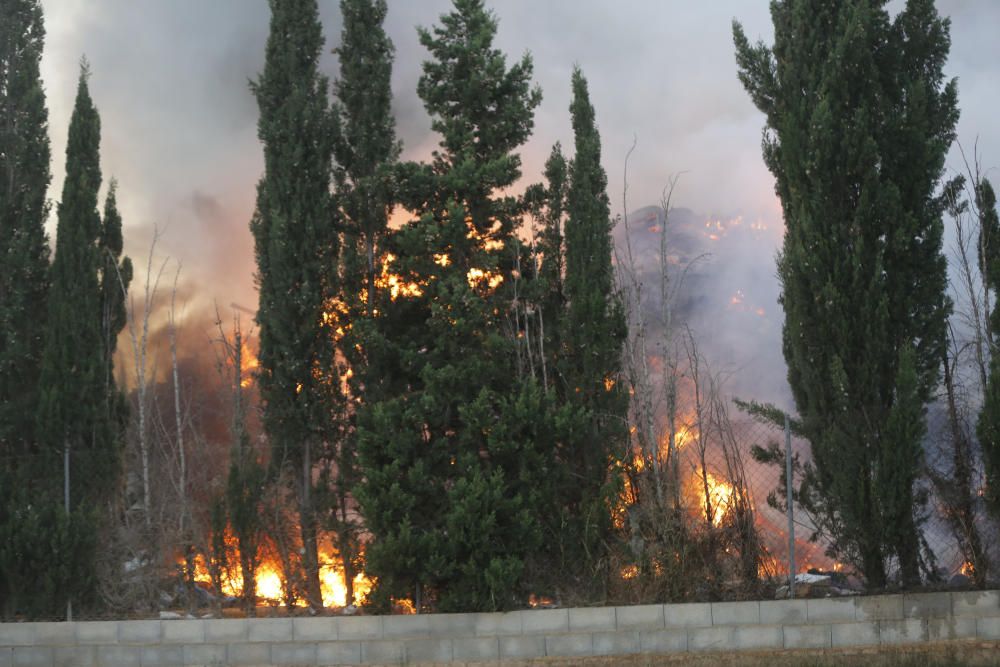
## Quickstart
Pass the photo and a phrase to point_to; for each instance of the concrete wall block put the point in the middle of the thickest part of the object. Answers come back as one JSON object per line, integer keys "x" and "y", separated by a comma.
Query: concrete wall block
{"x": 757, "y": 637}
{"x": 907, "y": 631}
{"x": 806, "y": 636}
{"x": 569, "y": 646}
{"x": 639, "y": 617}
{"x": 591, "y": 619}
{"x": 451, "y": 626}
{"x": 269, "y": 629}
{"x": 55, "y": 634}
{"x": 976, "y": 603}
{"x": 95, "y": 632}
{"x": 382, "y": 652}
{"x": 139, "y": 632}
{"x": 119, "y": 656}
{"x": 427, "y": 650}
{"x": 719, "y": 638}
{"x": 475, "y": 649}
{"x": 293, "y": 653}
{"x": 544, "y": 621}
{"x": 183, "y": 632}
{"x": 204, "y": 654}
{"x": 36, "y": 656}
{"x": 18, "y": 634}
{"x": 783, "y": 612}
{"x": 226, "y": 629}
{"x": 529, "y": 646}
{"x": 735, "y": 613}
{"x": 615, "y": 643}
{"x": 162, "y": 656}
{"x": 879, "y": 608}
{"x": 988, "y": 628}
{"x": 927, "y": 605}
{"x": 825, "y": 610}
{"x": 322, "y": 628}
{"x": 6, "y": 656}
{"x": 245, "y": 653}
{"x": 338, "y": 653}
{"x": 663, "y": 641}
{"x": 688, "y": 615}
{"x": 74, "y": 656}
{"x": 862, "y": 633}
{"x": 412, "y": 625}
{"x": 359, "y": 627}
{"x": 497, "y": 624}
{"x": 950, "y": 628}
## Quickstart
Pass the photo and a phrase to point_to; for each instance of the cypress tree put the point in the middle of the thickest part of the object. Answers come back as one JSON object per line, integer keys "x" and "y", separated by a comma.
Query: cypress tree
{"x": 24, "y": 249}
{"x": 988, "y": 426}
{"x": 859, "y": 118}
{"x": 296, "y": 245}
{"x": 115, "y": 278}
{"x": 453, "y": 452}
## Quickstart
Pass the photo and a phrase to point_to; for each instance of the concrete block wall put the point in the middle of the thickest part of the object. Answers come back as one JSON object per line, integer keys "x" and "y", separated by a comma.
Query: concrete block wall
{"x": 508, "y": 637}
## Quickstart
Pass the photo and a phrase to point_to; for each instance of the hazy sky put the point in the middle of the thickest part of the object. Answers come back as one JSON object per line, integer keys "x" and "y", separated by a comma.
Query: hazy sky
{"x": 179, "y": 123}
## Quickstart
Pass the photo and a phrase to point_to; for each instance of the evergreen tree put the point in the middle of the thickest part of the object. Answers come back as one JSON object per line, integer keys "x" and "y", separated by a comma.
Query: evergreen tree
{"x": 454, "y": 450}
{"x": 859, "y": 118}
{"x": 115, "y": 278}
{"x": 592, "y": 334}
{"x": 366, "y": 150}
{"x": 988, "y": 426}
{"x": 24, "y": 249}
{"x": 296, "y": 245}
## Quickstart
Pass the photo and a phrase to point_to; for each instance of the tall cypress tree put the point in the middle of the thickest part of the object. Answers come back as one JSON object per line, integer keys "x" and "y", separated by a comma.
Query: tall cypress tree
{"x": 24, "y": 249}
{"x": 296, "y": 245}
{"x": 859, "y": 118}
{"x": 452, "y": 453}
{"x": 988, "y": 426}
{"x": 115, "y": 278}
{"x": 593, "y": 331}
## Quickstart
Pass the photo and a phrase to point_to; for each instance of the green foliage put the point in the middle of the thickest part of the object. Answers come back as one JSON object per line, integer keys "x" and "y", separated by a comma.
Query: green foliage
{"x": 988, "y": 426}
{"x": 859, "y": 118}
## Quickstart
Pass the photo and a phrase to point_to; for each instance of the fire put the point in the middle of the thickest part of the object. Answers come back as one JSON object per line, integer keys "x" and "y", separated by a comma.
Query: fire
{"x": 476, "y": 276}
{"x": 395, "y": 283}
{"x": 630, "y": 572}
{"x": 248, "y": 364}
{"x": 720, "y": 493}
{"x": 967, "y": 569}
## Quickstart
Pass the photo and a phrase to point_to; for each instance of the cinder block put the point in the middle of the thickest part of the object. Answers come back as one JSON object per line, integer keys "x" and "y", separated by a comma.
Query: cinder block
{"x": 163, "y": 656}
{"x": 55, "y": 634}
{"x": 806, "y": 636}
{"x": 139, "y": 632}
{"x": 927, "y": 605}
{"x": 529, "y": 646}
{"x": 757, "y": 637}
{"x": 830, "y": 609}
{"x": 115, "y": 656}
{"x": 269, "y": 629}
{"x": 226, "y": 630}
{"x": 662, "y": 641}
{"x": 783, "y": 612}
{"x": 569, "y": 646}
{"x": 688, "y": 615}
{"x": 879, "y": 608}
{"x": 248, "y": 654}
{"x": 906, "y": 631}
{"x": 591, "y": 619}
{"x": 183, "y": 632}
{"x": 34, "y": 656}
{"x": 321, "y": 628}
{"x": 204, "y": 654}
{"x": 6, "y": 656}
{"x": 988, "y": 628}
{"x": 735, "y": 613}
{"x": 293, "y": 653}
{"x": 427, "y": 650}
{"x": 544, "y": 621}
{"x": 951, "y": 628}
{"x": 861, "y": 633}
{"x": 639, "y": 617}
{"x": 475, "y": 649}
{"x": 719, "y": 638}
{"x": 380, "y": 652}
{"x": 97, "y": 632}
{"x": 411, "y": 625}
{"x": 497, "y": 624}
{"x": 976, "y": 603}
{"x": 17, "y": 634}
{"x": 359, "y": 627}
{"x": 449, "y": 626}
{"x": 615, "y": 643}
{"x": 338, "y": 653}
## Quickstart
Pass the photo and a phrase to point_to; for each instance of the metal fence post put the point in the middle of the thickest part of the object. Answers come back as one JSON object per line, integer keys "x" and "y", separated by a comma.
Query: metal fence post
{"x": 788, "y": 502}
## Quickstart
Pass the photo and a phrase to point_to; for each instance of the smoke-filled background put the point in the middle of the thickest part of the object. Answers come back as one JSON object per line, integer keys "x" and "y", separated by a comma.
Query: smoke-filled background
{"x": 179, "y": 132}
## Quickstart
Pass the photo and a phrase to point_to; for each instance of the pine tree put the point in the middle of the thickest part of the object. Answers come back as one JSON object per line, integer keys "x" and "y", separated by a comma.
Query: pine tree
{"x": 988, "y": 426}
{"x": 453, "y": 451}
{"x": 859, "y": 118}
{"x": 296, "y": 245}
{"x": 24, "y": 249}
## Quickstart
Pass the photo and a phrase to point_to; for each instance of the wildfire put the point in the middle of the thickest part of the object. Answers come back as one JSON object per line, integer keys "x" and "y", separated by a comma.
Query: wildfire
{"x": 967, "y": 569}
{"x": 477, "y": 276}
{"x": 720, "y": 494}
{"x": 395, "y": 283}
{"x": 248, "y": 364}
